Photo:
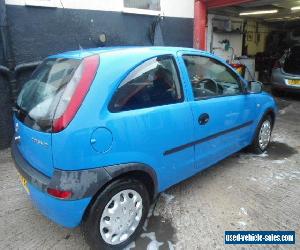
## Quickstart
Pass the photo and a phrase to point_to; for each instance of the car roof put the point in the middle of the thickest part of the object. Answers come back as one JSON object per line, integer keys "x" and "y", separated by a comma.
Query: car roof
{"x": 79, "y": 54}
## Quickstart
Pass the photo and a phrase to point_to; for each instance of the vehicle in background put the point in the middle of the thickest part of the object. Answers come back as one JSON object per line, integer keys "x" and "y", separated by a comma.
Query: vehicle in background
{"x": 286, "y": 72}
{"x": 100, "y": 132}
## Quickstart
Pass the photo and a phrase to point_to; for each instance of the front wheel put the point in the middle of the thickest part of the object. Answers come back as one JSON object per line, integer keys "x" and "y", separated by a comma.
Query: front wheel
{"x": 117, "y": 215}
{"x": 262, "y": 136}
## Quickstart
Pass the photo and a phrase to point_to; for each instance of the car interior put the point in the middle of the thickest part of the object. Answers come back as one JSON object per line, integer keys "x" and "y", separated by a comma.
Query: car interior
{"x": 210, "y": 78}
{"x": 156, "y": 86}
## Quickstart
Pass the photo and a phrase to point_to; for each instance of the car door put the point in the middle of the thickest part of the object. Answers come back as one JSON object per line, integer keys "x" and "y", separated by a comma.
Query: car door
{"x": 221, "y": 110}
{"x": 150, "y": 118}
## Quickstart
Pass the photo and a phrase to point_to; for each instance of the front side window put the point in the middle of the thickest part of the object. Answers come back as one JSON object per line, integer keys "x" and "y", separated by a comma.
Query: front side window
{"x": 153, "y": 83}
{"x": 211, "y": 78}
{"x": 143, "y": 4}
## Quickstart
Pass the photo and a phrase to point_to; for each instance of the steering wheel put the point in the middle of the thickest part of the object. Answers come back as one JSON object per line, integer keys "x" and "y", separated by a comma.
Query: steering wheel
{"x": 209, "y": 85}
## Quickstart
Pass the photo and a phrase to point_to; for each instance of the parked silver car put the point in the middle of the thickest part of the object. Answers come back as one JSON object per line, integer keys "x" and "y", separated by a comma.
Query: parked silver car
{"x": 286, "y": 72}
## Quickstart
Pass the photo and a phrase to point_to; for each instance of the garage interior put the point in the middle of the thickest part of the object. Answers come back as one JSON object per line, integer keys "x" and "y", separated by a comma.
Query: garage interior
{"x": 241, "y": 35}
{"x": 243, "y": 192}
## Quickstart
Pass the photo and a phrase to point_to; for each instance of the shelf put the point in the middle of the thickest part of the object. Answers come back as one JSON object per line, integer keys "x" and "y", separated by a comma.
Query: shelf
{"x": 236, "y": 32}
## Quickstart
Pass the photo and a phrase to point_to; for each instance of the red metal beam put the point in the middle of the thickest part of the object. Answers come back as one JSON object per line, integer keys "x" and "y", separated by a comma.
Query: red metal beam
{"x": 224, "y": 3}
{"x": 200, "y": 20}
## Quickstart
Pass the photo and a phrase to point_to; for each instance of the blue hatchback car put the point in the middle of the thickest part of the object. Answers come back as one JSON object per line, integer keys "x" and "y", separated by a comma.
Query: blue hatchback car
{"x": 100, "y": 132}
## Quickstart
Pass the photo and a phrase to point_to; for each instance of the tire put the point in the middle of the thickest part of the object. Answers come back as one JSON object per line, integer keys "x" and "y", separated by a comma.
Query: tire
{"x": 256, "y": 146}
{"x": 97, "y": 212}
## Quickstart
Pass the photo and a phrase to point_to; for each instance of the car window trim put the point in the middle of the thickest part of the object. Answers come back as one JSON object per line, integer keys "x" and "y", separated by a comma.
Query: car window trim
{"x": 111, "y": 109}
{"x": 241, "y": 85}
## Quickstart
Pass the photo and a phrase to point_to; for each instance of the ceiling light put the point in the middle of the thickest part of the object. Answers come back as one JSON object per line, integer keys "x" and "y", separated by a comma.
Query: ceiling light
{"x": 295, "y": 8}
{"x": 259, "y": 12}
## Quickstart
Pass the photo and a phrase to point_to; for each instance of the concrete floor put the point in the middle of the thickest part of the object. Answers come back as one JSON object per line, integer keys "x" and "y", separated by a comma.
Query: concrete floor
{"x": 243, "y": 192}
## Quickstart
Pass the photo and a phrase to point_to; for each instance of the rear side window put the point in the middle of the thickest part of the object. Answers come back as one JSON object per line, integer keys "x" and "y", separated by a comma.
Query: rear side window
{"x": 39, "y": 97}
{"x": 156, "y": 82}
{"x": 292, "y": 62}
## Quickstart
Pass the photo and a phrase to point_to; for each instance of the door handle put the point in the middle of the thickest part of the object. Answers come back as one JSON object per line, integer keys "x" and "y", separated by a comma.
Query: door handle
{"x": 203, "y": 119}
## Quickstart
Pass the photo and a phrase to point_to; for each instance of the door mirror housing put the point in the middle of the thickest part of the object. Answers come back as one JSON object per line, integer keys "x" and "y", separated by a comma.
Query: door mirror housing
{"x": 254, "y": 87}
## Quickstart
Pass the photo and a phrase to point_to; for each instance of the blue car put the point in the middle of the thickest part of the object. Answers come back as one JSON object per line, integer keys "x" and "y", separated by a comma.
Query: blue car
{"x": 100, "y": 132}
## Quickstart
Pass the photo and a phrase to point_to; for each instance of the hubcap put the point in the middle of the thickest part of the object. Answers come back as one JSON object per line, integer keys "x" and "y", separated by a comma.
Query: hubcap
{"x": 121, "y": 216}
{"x": 264, "y": 134}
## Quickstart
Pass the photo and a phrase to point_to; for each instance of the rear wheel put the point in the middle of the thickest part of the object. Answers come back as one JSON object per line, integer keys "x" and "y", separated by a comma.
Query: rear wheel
{"x": 117, "y": 215}
{"x": 262, "y": 136}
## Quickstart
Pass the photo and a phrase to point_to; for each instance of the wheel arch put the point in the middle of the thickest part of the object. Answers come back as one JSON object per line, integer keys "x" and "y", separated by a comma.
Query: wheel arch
{"x": 138, "y": 171}
{"x": 270, "y": 112}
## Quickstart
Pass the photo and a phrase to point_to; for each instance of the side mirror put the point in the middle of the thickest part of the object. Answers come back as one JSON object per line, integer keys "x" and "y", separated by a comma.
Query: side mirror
{"x": 254, "y": 87}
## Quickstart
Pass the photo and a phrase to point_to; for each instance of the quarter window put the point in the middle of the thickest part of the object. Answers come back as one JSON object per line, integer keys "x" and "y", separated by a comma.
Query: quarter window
{"x": 153, "y": 83}
{"x": 211, "y": 78}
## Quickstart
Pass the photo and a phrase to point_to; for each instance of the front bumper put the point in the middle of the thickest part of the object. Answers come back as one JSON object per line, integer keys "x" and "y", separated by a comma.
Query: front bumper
{"x": 83, "y": 184}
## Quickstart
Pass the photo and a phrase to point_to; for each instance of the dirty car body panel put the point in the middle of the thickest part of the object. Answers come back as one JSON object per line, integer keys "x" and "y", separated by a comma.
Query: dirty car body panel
{"x": 99, "y": 144}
